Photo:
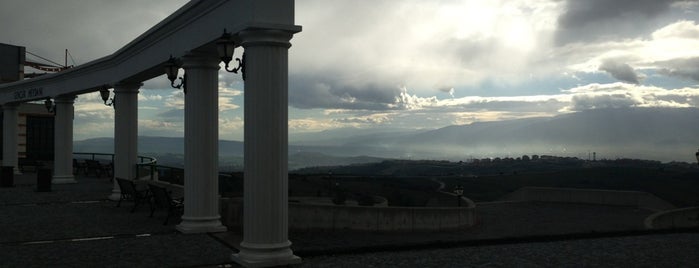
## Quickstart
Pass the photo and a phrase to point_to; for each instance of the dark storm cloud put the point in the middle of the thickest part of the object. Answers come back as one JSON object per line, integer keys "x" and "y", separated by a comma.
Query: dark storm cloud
{"x": 620, "y": 71}
{"x": 596, "y": 20}
{"x": 313, "y": 92}
{"x": 88, "y": 29}
{"x": 683, "y": 68}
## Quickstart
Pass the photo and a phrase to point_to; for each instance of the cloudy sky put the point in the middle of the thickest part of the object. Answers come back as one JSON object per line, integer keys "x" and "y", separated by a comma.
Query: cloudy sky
{"x": 405, "y": 64}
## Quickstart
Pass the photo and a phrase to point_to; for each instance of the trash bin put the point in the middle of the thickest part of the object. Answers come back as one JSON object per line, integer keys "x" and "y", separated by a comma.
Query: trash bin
{"x": 7, "y": 176}
{"x": 43, "y": 180}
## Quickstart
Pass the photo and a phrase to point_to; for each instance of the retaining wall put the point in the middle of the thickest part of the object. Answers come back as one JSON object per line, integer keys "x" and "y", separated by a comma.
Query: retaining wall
{"x": 307, "y": 216}
{"x": 590, "y": 196}
{"x": 676, "y": 218}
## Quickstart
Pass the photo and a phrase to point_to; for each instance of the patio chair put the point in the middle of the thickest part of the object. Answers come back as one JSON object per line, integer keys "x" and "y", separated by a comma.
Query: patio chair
{"x": 94, "y": 166}
{"x": 162, "y": 199}
{"x": 79, "y": 167}
{"x": 130, "y": 192}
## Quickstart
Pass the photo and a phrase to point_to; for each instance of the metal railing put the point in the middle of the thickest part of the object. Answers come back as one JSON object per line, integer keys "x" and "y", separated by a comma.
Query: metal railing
{"x": 148, "y": 169}
{"x": 98, "y": 156}
{"x": 175, "y": 176}
{"x": 145, "y": 162}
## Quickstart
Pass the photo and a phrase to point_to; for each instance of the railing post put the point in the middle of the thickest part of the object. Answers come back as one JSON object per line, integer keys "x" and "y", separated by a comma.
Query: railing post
{"x": 151, "y": 172}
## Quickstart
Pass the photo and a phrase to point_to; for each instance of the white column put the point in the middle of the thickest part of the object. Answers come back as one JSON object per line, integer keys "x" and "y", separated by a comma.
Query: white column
{"x": 265, "y": 218}
{"x": 125, "y": 133}
{"x": 201, "y": 199}
{"x": 63, "y": 140}
{"x": 9, "y": 133}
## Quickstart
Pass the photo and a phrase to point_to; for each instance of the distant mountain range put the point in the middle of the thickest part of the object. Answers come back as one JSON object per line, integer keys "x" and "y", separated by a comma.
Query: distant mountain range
{"x": 170, "y": 151}
{"x": 665, "y": 134}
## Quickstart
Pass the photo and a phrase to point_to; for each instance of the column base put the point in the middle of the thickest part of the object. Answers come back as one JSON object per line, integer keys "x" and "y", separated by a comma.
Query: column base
{"x": 115, "y": 196}
{"x": 197, "y": 225}
{"x": 265, "y": 255}
{"x": 63, "y": 180}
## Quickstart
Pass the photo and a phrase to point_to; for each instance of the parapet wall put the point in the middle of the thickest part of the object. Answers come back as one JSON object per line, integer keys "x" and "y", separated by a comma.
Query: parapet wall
{"x": 590, "y": 196}
{"x": 676, "y": 218}
{"x": 366, "y": 218}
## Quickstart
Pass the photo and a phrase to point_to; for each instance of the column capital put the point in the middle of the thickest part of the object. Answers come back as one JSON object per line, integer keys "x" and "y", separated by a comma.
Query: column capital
{"x": 127, "y": 87}
{"x": 201, "y": 60}
{"x": 265, "y": 37}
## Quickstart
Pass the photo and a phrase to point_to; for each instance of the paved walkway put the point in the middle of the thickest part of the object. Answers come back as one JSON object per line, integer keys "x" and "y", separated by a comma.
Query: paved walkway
{"x": 670, "y": 250}
{"x": 75, "y": 226}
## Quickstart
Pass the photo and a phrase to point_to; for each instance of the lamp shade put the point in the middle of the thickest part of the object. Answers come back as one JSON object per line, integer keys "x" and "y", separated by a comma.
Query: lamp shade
{"x": 49, "y": 104}
{"x": 104, "y": 93}
{"x": 172, "y": 69}
{"x": 225, "y": 48}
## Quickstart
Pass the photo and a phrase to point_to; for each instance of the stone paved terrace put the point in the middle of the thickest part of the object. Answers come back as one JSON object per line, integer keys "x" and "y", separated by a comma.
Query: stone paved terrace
{"x": 75, "y": 226}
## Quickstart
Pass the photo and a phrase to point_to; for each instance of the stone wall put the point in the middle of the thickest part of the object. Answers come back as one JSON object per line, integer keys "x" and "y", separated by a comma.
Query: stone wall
{"x": 676, "y": 218}
{"x": 307, "y": 216}
{"x": 590, "y": 196}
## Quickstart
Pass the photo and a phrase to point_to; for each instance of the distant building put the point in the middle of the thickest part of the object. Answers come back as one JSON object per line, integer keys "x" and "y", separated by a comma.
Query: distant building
{"x": 34, "y": 123}
{"x": 35, "y": 139}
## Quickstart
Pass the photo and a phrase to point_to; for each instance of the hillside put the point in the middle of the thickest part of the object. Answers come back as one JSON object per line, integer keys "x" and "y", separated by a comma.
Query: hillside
{"x": 664, "y": 134}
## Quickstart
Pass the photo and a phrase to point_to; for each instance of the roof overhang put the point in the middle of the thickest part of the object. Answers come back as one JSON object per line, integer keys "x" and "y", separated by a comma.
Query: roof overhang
{"x": 196, "y": 25}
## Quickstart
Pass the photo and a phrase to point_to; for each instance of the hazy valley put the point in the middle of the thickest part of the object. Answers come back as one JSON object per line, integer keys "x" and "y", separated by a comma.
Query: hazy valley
{"x": 663, "y": 134}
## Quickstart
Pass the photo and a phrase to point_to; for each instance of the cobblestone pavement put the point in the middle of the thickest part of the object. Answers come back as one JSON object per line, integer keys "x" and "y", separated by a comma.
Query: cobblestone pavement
{"x": 669, "y": 250}
{"x": 75, "y": 226}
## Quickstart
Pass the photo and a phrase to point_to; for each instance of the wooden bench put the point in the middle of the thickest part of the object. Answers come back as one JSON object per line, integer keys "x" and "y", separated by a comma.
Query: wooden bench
{"x": 130, "y": 192}
{"x": 163, "y": 200}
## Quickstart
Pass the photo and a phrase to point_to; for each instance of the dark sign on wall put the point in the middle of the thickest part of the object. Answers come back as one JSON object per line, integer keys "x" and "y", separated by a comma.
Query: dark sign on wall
{"x": 28, "y": 93}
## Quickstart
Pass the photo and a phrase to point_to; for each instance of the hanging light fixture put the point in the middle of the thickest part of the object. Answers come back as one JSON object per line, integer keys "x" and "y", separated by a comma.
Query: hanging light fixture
{"x": 172, "y": 69}
{"x": 104, "y": 93}
{"x": 50, "y": 107}
{"x": 226, "y": 48}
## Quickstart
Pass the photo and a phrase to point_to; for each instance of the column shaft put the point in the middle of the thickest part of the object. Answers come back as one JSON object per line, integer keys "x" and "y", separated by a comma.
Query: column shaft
{"x": 265, "y": 219}
{"x": 9, "y": 142}
{"x": 201, "y": 213}
{"x": 63, "y": 140}
{"x": 125, "y": 133}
